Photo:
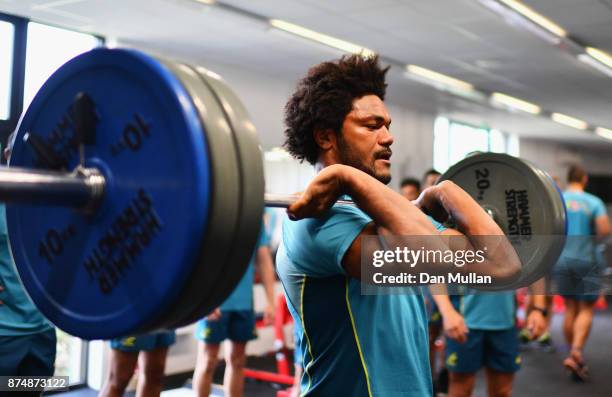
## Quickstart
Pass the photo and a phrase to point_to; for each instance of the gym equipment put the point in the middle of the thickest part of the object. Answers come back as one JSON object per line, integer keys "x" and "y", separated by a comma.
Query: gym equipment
{"x": 135, "y": 194}
{"x": 524, "y": 201}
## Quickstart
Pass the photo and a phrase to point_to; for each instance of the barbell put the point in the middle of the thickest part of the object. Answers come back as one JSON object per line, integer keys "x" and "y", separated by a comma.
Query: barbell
{"x": 135, "y": 193}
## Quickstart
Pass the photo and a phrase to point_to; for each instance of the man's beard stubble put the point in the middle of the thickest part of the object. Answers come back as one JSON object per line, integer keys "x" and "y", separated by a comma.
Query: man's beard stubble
{"x": 349, "y": 157}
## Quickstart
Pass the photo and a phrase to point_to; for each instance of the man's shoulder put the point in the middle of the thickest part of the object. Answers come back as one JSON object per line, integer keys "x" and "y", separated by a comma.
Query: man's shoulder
{"x": 315, "y": 246}
{"x": 593, "y": 199}
{"x": 335, "y": 214}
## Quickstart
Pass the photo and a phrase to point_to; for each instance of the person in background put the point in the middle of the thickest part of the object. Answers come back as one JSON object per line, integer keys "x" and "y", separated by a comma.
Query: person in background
{"x": 149, "y": 351}
{"x": 481, "y": 332}
{"x": 234, "y": 320}
{"x": 577, "y": 274}
{"x": 430, "y": 178}
{"x": 544, "y": 341}
{"x": 27, "y": 339}
{"x": 410, "y": 188}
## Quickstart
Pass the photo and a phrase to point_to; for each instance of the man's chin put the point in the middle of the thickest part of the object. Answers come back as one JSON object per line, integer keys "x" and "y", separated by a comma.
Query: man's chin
{"x": 383, "y": 174}
{"x": 383, "y": 178}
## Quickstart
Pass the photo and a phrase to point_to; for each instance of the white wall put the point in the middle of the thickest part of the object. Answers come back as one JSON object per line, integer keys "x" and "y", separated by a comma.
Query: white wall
{"x": 555, "y": 157}
{"x": 413, "y": 145}
{"x": 265, "y": 96}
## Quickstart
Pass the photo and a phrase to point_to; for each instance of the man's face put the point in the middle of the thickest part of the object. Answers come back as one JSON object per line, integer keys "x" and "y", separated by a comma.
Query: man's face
{"x": 430, "y": 180}
{"x": 410, "y": 192}
{"x": 365, "y": 141}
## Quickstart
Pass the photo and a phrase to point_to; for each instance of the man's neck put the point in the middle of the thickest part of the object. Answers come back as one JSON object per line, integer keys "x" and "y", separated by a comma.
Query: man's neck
{"x": 575, "y": 187}
{"x": 324, "y": 161}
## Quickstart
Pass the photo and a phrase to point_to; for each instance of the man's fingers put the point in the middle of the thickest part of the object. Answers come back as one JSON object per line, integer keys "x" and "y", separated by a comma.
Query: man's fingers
{"x": 456, "y": 334}
{"x": 297, "y": 210}
{"x": 463, "y": 331}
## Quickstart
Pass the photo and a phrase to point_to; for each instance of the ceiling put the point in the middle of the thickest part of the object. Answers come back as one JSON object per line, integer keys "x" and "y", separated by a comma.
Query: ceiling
{"x": 460, "y": 38}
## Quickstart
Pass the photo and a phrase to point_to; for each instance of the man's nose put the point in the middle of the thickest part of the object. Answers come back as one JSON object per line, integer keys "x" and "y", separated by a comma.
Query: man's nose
{"x": 385, "y": 137}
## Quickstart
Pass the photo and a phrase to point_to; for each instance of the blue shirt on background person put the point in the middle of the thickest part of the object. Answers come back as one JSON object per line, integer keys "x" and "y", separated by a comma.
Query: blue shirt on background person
{"x": 242, "y": 296}
{"x": 18, "y": 315}
{"x": 491, "y": 311}
{"x": 578, "y": 270}
{"x": 27, "y": 339}
{"x": 582, "y": 210}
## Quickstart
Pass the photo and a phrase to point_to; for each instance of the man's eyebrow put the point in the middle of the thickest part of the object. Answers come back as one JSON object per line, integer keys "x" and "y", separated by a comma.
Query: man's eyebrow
{"x": 374, "y": 117}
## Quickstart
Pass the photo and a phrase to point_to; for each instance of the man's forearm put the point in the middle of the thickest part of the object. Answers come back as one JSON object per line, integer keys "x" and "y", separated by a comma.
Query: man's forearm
{"x": 397, "y": 219}
{"x": 538, "y": 293}
{"x": 442, "y": 299}
{"x": 387, "y": 208}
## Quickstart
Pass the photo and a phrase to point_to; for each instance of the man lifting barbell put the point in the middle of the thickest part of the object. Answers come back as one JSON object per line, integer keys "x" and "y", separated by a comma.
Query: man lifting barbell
{"x": 337, "y": 120}
{"x": 114, "y": 242}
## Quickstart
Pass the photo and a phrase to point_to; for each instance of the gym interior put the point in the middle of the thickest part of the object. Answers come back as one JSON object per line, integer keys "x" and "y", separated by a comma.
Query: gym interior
{"x": 523, "y": 87}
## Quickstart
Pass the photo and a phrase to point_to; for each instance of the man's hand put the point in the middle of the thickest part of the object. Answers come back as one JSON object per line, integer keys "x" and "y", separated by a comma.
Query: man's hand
{"x": 320, "y": 195}
{"x": 454, "y": 326}
{"x": 447, "y": 199}
{"x": 429, "y": 201}
{"x": 214, "y": 315}
{"x": 268, "y": 315}
{"x": 536, "y": 323}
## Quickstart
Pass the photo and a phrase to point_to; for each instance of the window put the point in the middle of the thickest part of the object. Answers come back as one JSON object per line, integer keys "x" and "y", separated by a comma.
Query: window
{"x": 7, "y": 33}
{"x": 38, "y": 54}
{"x": 284, "y": 174}
{"x": 70, "y": 357}
{"x": 453, "y": 141}
{"x": 49, "y": 48}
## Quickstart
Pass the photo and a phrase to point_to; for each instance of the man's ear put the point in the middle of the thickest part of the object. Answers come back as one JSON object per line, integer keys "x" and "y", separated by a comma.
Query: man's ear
{"x": 325, "y": 139}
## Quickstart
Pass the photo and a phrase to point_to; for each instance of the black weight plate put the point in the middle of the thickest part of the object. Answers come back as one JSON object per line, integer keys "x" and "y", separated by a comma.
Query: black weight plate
{"x": 225, "y": 198}
{"x": 252, "y": 182}
{"x": 523, "y": 203}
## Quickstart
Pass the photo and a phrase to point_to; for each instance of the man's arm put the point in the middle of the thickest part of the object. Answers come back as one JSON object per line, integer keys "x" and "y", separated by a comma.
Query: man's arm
{"x": 453, "y": 322}
{"x": 395, "y": 217}
{"x": 266, "y": 269}
{"x": 602, "y": 226}
{"x": 535, "y": 321}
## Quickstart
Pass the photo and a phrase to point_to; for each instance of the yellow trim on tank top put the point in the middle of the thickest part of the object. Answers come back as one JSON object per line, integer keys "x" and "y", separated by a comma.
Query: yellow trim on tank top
{"x": 365, "y": 369}
{"x": 306, "y": 336}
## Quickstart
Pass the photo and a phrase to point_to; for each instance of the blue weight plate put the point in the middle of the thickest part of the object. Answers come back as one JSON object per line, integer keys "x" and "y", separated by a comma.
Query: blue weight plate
{"x": 112, "y": 273}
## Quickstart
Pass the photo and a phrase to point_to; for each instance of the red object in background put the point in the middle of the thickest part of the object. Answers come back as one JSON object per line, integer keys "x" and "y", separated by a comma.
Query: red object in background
{"x": 281, "y": 317}
{"x": 602, "y": 303}
{"x": 558, "y": 304}
{"x": 283, "y": 364}
{"x": 267, "y": 376}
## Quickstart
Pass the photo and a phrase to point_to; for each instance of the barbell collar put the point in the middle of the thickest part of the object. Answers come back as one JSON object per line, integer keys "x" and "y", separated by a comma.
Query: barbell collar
{"x": 82, "y": 188}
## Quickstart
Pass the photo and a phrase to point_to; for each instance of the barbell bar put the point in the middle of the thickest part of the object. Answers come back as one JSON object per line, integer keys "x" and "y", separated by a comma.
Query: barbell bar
{"x": 156, "y": 222}
{"x": 80, "y": 189}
